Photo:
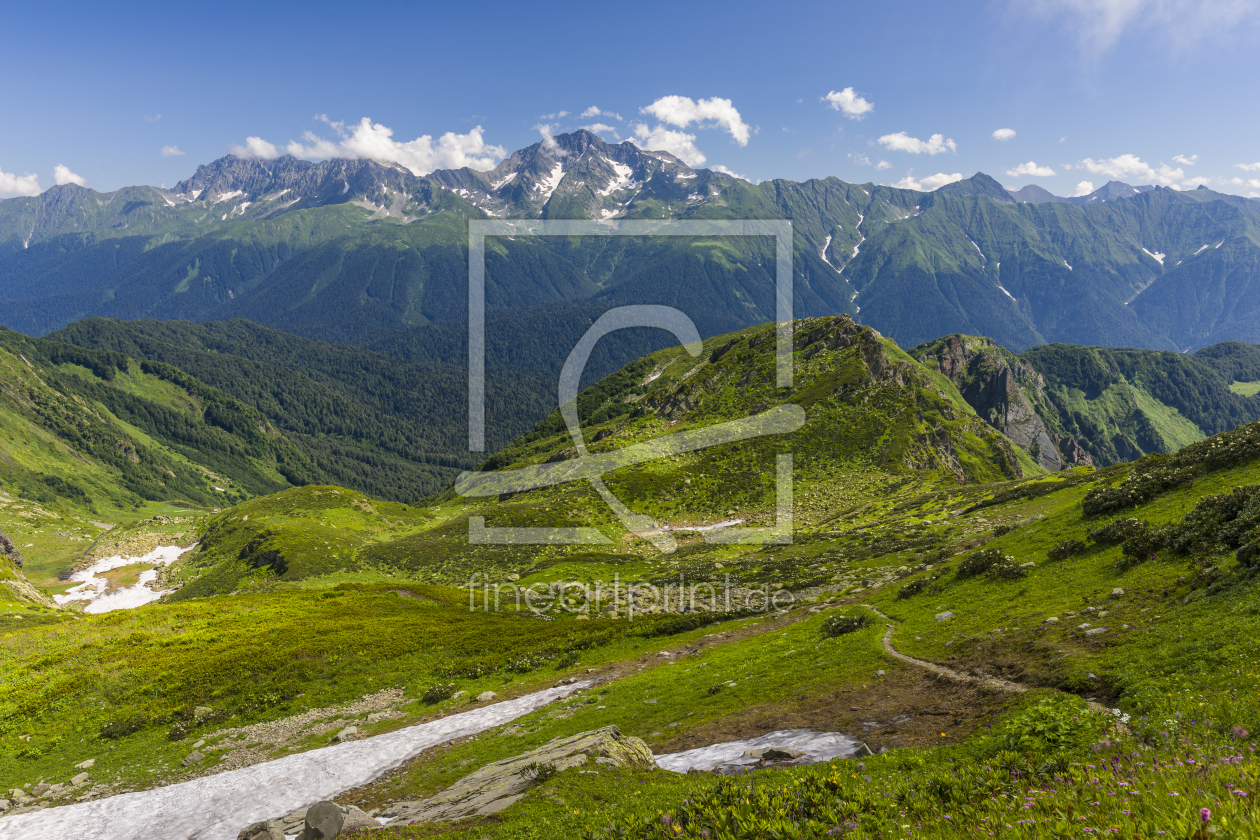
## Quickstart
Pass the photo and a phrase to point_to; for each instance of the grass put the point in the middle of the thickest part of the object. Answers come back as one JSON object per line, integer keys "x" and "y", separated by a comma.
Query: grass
{"x": 1245, "y": 389}
{"x": 138, "y": 673}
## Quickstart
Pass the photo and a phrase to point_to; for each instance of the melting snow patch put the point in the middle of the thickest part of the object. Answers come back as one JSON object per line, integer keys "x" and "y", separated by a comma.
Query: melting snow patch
{"x": 1202, "y": 248}
{"x": 814, "y": 746}
{"x": 226, "y": 196}
{"x": 217, "y": 807}
{"x": 1159, "y": 257}
{"x": 1219, "y": 244}
{"x": 823, "y": 253}
{"x": 1065, "y": 262}
{"x": 549, "y": 186}
{"x": 1008, "y": 294}
{"x": 500, "y": 184}
{"x": 618, "y": 183}
{"x": 101, "y": 597}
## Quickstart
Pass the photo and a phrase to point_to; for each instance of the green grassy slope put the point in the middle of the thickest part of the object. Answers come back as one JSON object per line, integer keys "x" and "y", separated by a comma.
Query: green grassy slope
{"x": 875, "y": 419}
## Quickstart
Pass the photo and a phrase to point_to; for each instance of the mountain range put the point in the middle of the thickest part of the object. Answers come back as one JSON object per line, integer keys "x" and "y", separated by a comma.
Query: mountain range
{"x": 345, "y": 249}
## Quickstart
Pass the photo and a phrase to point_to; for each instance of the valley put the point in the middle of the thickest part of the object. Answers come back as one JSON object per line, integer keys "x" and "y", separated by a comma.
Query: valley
{"x": 937, "y": 563}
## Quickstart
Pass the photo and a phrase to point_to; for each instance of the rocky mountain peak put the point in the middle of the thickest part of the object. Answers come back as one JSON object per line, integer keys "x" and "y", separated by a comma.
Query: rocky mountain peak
{"x": 979, "y": 185}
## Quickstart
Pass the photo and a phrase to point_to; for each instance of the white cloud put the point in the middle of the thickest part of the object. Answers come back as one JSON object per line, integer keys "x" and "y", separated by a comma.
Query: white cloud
{"x": 1132, "y": 167}
{"x": 367, "y": 140}
{"x": 682, "y": 111}
{"x": 556, "y": 115}
{"x": 173, "y": 151}
{"x": 859, "y": 159}
{"x": 1195, "y": 182}
{"x": 1004, "y": 134}
{"x": 601, "y": 128}
{"x": 1188, "y": 161}
{"x": 883, "y": 164}
{"x": 902, "y": 142}
{"x": 256, "y": 147}
{"x": 848, "y": 101}
{"x": 25, "y": 184}
{"x": 928, "y": 183}
{"x": 1248, "y": 167}
{"x": 1030, "y": 168}
{"x": 725, "y": 171}
{"x": 1083, "y": 188}
{"x": 596, "y": 112}
{"x": 153, "y": 118}
{"x": 548, "y": 139}
{"x": 63, "y": 175}
{"x": 677, "y": 143}
{"x": 1099, "y": 24}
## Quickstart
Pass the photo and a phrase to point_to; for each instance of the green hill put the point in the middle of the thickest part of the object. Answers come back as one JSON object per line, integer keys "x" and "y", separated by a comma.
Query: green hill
{"x": 874, "y": 419}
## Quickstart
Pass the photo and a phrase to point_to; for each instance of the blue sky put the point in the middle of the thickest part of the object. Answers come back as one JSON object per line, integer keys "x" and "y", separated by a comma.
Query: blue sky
{"x": 1146, "y": 91}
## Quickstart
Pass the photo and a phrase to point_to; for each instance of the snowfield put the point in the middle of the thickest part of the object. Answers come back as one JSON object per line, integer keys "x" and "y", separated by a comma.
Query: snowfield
{"x": 218, "y": 807}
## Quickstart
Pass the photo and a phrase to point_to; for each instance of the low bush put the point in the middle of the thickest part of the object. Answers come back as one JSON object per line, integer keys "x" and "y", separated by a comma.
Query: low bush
{"x": 438, "y": 692}
{"x": 1114, "y": 533}
{"x": 913, "y": 588}
{"x": 1066, "y": 549}
{"x": 979, "y": 562}
{"x": 1007, "y": 569}
{"x": 838, "y": 625}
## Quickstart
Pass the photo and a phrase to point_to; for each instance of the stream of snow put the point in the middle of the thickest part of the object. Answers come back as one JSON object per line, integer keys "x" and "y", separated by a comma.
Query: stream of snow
{"x": 816, "y": 747}
{"x": 217, "y": 807}
{"x": 101, "y": 597}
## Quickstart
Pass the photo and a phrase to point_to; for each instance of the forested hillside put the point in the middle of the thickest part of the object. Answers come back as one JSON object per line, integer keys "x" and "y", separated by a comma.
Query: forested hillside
{"x": 397, "y": 430}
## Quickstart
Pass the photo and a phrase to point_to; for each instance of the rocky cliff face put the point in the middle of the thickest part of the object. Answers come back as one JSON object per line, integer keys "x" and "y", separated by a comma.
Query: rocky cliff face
{"x": 997, "y": 384}
{"x": 8, "y": 551}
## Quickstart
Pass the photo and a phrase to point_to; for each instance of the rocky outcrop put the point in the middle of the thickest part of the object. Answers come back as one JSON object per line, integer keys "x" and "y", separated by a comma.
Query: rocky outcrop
{"x": 321, "y": 821}
{"x": 8, "y": 551}
{"x": 12, "y": 578}
{"x": 498, "y": 785}
{"x": 997, "y": 384}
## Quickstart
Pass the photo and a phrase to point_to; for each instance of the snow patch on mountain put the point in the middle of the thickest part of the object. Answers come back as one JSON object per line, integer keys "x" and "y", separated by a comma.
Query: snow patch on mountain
{"x": 553, "y": 180}
{"x": 620, "y": 182}
{"x": 1156, "y": 256}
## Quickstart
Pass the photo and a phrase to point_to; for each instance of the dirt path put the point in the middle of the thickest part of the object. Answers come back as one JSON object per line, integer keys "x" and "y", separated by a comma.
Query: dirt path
{"x": 949, "y": 673}
{"x": 959, "y": 676}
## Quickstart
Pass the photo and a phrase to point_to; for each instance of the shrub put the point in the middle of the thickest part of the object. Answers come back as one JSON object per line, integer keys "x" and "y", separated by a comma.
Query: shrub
{"x": 1066, "y": 549}
{"x": 1142, "y": 545}
{"x": 116, "y": 729}
{"x": 438, "y": 692}
{"x": 1219, "y": 522}
{"x": 979, "y": 562}
{"x": 1007, "y": 569}
{"x": 838, "y": 625}
{"x": 1114, "y": 533}
{"x": 914, "y": 587}
{"x": 1149, "y": 477}
{"x": 1003, "y": 530}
